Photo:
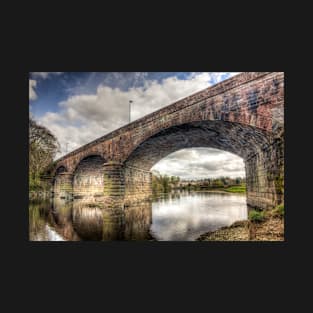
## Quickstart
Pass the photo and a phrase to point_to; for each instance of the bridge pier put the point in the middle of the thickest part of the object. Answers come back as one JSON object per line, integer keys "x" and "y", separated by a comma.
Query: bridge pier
{"x": 265, "y": 177}
{"x": 114, "y": 186}
{"x": 124, "y": 185}
{"x": 138, "y": 185}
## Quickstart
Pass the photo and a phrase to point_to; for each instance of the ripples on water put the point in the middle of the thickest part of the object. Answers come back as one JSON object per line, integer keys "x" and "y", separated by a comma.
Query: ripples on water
{"x": 172, "y": 217}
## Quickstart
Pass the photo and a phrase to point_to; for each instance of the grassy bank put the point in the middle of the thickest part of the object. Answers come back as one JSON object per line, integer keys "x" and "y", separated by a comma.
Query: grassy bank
{"x": 236, "y": 189}
{"x": 262, "y": 226}
{"x": 233, "y": 189}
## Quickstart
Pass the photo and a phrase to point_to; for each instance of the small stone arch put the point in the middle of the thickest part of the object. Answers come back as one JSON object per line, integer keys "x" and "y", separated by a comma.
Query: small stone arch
{"x": 88, "y": 178}
{"x": 62, "y": 183}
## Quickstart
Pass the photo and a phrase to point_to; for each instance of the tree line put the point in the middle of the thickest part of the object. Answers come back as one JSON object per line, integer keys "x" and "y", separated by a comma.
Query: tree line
{"x": 165, "y": 183}
{"x": 211, "y": 183}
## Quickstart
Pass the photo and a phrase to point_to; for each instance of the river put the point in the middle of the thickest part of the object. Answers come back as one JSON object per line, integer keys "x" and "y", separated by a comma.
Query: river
{"x": 179, "y": 216}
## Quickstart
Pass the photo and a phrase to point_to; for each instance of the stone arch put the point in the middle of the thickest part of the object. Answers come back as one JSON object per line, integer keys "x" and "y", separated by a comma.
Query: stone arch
{"x": 240, "y": 139}
{"x": 259, "y": 149}
{"x": 62, "y": 184}
{"x": 88, "y": 180}
{"x": 61, "y": 169}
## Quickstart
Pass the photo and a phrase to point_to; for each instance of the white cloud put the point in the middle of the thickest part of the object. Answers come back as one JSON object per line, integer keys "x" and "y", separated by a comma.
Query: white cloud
{"x": 201, "y": 163}
{"x": 44, "y": 75}
{"x": 32, "y": 93}
{"x": 85, "y": 117}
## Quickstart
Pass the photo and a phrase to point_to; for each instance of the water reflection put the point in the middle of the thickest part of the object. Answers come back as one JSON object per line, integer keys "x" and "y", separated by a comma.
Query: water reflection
{"x": 92, "y": 222}
{"x": 174, "y": 216}
{"x": 191, "y": 214}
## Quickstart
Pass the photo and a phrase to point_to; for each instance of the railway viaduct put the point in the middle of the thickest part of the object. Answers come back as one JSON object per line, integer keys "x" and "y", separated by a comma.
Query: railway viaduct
{"x": 243, "y": 115}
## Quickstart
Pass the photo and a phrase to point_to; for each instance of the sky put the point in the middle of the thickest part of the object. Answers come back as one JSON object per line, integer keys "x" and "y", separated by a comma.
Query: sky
{"x": 79, "y": 107}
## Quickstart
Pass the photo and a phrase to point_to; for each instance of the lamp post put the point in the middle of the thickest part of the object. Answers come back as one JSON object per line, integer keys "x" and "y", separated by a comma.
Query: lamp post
{"x": 130, "y": 102}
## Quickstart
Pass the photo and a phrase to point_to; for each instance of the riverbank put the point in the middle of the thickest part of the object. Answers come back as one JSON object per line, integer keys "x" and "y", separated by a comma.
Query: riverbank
{"x": 218, "y": 191}
{"x": 265, "y": 226}
{"x": 232, "y": 189}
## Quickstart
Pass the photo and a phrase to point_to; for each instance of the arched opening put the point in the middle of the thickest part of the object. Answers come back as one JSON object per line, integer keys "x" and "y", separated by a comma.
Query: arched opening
{"x": 60, "y": 169}
{"x": 193, "y": 164}
{"x": 196, "y": 190}
{"x": 255, "y": 146}
{"x": 88, "y": 180}
{"x": 242, "y": 140}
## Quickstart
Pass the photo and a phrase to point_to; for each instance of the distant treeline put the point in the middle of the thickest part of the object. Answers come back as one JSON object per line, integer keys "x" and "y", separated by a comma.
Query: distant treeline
{"x": 165, "y": 183}
{"x": 211, "y": 183}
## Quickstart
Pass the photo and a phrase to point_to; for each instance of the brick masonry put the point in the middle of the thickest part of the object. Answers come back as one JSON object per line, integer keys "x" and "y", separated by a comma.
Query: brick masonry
{"x": 243, "y": 115}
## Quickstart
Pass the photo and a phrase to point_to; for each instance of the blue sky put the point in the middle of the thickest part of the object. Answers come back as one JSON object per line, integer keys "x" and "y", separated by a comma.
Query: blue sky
{"x": 52, "y": 88}
{"x": 81, "y": 106}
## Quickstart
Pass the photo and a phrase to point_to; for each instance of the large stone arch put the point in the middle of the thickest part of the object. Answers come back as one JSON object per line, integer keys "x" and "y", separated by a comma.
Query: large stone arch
{"x": 261, "y": 151}
{"x": 240, "y": 139}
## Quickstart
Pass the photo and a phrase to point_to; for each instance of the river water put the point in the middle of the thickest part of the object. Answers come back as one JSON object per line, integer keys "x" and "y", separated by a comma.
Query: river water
{"x": 179, "y": 216}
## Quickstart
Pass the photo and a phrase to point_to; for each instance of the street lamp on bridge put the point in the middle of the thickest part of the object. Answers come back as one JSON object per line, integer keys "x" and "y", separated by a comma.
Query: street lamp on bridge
{"x": 130, "y": 102}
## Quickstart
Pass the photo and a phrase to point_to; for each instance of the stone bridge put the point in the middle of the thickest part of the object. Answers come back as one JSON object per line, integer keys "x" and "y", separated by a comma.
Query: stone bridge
{"x": 243, "y": 115}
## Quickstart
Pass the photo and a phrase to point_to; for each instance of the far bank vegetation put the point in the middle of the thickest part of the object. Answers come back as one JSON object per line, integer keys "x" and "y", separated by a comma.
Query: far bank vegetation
{"x": 165, "y": 183}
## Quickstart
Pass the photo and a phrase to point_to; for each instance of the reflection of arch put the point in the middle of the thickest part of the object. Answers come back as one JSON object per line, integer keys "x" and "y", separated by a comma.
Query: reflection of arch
{"x": 88, "y": 180}
{"x": 92, "y": 222}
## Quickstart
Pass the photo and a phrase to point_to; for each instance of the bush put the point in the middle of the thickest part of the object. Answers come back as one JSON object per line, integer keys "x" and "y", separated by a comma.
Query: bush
{"x": 256, "y": 216}
{"x": 279, "y": 210}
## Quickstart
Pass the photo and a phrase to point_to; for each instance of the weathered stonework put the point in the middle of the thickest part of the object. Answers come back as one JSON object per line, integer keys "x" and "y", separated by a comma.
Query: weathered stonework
{"x": 63, "y": 185}
{"x": 265, "y": 176}
{"x": 243, "y": 115}
{"x": 138, "y": 186}
{"x": 114, "y": 184}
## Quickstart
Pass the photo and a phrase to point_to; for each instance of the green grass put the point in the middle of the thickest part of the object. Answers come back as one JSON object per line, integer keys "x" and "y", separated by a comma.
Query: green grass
{"x": 256, "y": 216}
{"x": 236, "y": 189}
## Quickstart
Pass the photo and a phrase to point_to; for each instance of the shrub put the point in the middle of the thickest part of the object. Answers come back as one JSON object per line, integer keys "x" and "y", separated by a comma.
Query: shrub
{"x": 279, "y": 210}
{"x": 256, "y": 216}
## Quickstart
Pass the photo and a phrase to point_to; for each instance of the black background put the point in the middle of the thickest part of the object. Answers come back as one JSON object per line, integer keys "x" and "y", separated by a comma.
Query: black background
{"x": 163, "y": 276}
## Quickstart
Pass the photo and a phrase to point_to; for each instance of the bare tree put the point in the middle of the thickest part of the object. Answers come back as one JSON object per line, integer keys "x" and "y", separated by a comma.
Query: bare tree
{"x": 43, "y": 147}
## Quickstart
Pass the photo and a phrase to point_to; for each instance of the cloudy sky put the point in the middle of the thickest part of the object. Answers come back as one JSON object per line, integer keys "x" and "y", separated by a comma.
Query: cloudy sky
{"x": 79, "y": 107}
